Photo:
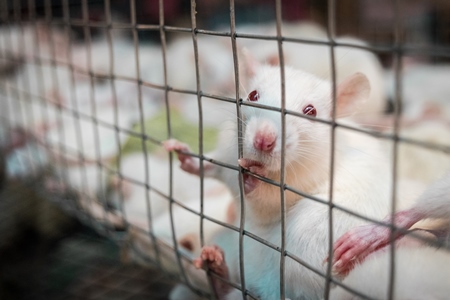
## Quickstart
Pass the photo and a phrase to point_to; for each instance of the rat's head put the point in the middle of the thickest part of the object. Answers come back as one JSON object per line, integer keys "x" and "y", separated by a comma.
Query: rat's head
{"x": 306, "y": 138}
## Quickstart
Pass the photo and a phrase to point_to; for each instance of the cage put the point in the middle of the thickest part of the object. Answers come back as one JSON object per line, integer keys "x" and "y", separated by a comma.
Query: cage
{"x": 306, "y": 133}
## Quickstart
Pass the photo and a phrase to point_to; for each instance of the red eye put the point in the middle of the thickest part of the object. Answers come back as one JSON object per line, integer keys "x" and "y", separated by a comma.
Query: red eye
{"x": 309, "y": 110}
{"x": 253, "y": 96}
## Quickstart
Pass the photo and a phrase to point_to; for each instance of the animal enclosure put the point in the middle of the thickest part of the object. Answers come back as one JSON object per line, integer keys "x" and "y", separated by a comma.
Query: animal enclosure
{"x": 267, "y": 128}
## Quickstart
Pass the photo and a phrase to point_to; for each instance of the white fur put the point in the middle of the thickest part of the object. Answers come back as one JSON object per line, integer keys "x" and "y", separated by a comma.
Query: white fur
{"x": 361, "y": 165}
{"x": 215, "y": 65}
{"x": 21, "y": 41}
{"x": 423, "y": 164}
{"x": 435, "y": 201}
{"x": 422, "y": 85}
{"x": 186, "y": 189}
{"x": 420, "y": 273}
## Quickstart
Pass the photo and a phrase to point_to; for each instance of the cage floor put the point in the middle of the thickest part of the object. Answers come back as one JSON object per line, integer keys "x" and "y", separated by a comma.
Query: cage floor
{"x": 81, "y": 266}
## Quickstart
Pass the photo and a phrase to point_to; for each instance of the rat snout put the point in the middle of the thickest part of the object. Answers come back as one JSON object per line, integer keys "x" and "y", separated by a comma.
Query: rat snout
{"x": 265, "y": 138}
{"x": 264, "y": 142}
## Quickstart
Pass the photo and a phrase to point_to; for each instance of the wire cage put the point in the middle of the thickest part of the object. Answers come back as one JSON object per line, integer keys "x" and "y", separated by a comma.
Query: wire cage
{"x": 95, "y": 94}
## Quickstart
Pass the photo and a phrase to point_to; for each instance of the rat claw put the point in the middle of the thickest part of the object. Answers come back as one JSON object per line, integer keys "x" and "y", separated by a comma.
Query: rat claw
{"x": 198, "y": 262}
{"x": 337, "y": 264}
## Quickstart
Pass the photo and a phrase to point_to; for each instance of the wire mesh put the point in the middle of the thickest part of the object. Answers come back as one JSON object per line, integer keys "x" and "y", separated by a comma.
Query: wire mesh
{"x": 93, "y": 165}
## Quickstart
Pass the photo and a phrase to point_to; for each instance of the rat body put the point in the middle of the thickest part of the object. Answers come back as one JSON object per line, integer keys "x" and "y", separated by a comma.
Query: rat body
{"x": 360, "y": 166}
{"x": 421, "y": 271}
{"x": 358, "y": 243}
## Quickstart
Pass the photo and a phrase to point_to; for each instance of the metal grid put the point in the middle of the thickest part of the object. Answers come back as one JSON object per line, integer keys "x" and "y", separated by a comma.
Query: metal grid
{"x": 398, "y": 51}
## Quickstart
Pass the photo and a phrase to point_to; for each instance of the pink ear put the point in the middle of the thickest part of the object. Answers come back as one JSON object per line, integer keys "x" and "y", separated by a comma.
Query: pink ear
{"x": 249, "y": 63}
{"x": 351, "y": 93}
{"x": 273, "y": 60}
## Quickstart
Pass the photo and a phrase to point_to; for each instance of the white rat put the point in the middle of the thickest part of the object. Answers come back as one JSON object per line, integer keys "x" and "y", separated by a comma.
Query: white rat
{"x": 361, "y": 181}
{"x": 20, "y": 41}
{"x": 420, "y": 271}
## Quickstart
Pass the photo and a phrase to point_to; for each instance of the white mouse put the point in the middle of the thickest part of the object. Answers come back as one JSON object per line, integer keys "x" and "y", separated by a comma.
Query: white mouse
{"x": 361, "y": 165}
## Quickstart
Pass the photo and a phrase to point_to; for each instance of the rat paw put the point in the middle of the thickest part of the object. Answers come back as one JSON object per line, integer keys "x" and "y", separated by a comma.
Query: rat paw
{"x": 355, "y": 245}
{"x": 187, "y": 162}
{"x": 211, "y": 256}
{"x": 214, "y": 258}
{"x": 175, "y": 145}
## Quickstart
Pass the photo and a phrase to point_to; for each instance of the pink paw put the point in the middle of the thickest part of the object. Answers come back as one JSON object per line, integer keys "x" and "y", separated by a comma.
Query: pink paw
{"x": 175, "y": 145}
{"x": 355, "y": 245}
{"x": 211, "y": 256}
{"x": 188, "y": 163}
{"x": 361, "y": 241}
{"x": 214, "y": 258}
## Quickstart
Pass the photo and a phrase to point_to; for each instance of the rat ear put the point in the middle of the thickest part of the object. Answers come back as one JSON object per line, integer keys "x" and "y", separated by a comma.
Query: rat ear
{"x": 249, "y": 64}
{"x": 351, "y": 93}
{"x": 274, "y": 60}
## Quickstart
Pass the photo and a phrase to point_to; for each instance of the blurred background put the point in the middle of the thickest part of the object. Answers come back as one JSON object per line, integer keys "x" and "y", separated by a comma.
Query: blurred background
{"x": 422, "y": 22}
{"x": 71, "y": 122}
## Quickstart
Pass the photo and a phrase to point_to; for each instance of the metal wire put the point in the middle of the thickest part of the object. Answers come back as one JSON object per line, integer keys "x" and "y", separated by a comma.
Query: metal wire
{"x": 25, "y": 96}
{"x": 92, "y": 97}
{"x": 200, "y": 116}
{"x": 11, "y": 105}
{"x": 283, "y": 150}
{"x": 116, "y": 115}
{"x": 331, "y": 32}
{"x": 240, "y": 149}
{"x": 73, "y": 99}
{"x": 26, "y": 81}
{"x": 396, "y": 128}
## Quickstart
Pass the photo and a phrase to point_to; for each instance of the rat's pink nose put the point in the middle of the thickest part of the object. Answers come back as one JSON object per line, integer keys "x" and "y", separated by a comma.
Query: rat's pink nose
{"x": 264, "y": 141}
